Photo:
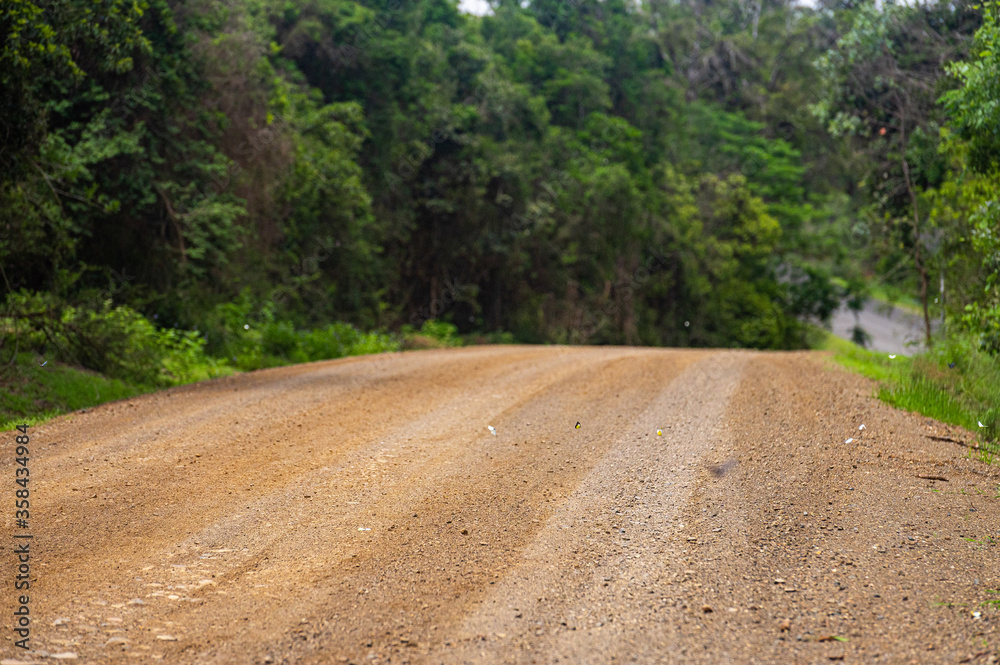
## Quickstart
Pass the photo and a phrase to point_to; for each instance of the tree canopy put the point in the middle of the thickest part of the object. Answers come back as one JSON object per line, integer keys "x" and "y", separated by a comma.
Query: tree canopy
{"x": 682, "y": 173}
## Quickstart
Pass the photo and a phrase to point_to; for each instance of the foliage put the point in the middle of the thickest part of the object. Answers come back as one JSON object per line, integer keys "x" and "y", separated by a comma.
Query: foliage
{"x": 49, "y": 46}
{"x": 248, "y": 334}
{"x": 113, "y": 340}
{"x": 440, "y": 331}
{"x": 970, "y": 200}
{"x": 881, "y": 81}
{"x": 975, "y": 105}
{"x": 592, "y": 172}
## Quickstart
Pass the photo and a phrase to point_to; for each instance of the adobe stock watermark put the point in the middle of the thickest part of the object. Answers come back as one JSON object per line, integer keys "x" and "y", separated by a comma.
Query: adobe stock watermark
{"x": 407, "y": 165}
{"x": 303, "y": 269}
{"x": 441, "y": 303}
{"x": 624, "y": 289}
{"x": 550, "y": 191}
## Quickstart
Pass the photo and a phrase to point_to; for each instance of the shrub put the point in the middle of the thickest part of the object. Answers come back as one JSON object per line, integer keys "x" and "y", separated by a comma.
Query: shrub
{"x": 116, "y": 341}
{"x": 442, "y": 331}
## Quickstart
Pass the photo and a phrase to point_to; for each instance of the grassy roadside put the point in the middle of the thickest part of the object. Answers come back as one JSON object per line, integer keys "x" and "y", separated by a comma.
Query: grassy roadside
{"x": 31, "y": 393}
{"x": 953, "y": 383}
{"x": 34, "y": 389}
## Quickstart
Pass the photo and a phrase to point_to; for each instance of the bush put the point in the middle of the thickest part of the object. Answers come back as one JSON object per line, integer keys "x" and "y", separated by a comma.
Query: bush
{"x": 122, "y": 344}
{"x": 442, "y": 331}
{"x": 116, "y": 341}
{"x": 373, "y": 343}
{"x": 230, "y": 334}
{"x": 984, "y": 321}
{"x": 185, "y": 359}
{"x": 340, "y": 339}
{"x": 279, "y": 339}
{"x": 334, "y": 341}
{"x": 860, "y": 337}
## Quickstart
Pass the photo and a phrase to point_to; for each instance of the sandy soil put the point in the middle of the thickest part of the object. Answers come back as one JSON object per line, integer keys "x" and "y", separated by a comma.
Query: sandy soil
{"x": 361, "y": 511}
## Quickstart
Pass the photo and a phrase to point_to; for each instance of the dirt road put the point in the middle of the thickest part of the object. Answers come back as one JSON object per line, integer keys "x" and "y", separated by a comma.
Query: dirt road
{"x": 361, "y": 511}
{"x": 891, "y": 329}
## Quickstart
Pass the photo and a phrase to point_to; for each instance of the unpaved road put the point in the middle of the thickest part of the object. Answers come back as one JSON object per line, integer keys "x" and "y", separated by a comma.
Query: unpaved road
{"x": 891, "y": 329}
{"x": 361, "y": 511}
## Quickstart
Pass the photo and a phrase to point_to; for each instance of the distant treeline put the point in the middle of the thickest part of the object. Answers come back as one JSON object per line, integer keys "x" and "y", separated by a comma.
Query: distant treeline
{"x": 581, "y": 171}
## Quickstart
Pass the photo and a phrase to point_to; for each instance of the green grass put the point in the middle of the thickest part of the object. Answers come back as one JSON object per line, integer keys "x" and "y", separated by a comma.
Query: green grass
{"x": 872, "y": 364}
{"x": 963, "y": 395}
{"x": 925, "y": 396}
{"x": 30, "y": 393}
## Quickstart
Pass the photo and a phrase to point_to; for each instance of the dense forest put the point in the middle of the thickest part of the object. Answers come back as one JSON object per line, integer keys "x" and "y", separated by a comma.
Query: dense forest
{"x": 671, "y": 172}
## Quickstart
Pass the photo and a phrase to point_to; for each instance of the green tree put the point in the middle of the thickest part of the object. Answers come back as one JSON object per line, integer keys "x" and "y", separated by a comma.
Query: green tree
{"x": 972, "y": 196}
{"x": 881, "y": 84}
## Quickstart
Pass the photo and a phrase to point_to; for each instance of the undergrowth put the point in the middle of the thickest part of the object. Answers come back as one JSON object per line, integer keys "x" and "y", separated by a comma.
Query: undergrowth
{"x": 56, "y": 357}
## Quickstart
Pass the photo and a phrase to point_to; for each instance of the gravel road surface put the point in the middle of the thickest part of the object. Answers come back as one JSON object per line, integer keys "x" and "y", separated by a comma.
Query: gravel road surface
{"x": 361, "y": 511}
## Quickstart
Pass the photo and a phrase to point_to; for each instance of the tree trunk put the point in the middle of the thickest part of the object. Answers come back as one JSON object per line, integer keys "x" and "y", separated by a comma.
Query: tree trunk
{"x": 917, "y": 241}
{"x": 496, "y": 311}
{"x": 172, "y": 215}
{"x": 922, "y": 270}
